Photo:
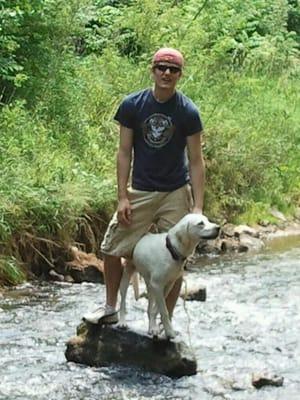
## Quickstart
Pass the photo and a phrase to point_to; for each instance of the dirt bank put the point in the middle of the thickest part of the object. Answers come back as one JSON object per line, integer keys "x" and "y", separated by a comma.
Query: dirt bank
{"x": 78, "y": 259}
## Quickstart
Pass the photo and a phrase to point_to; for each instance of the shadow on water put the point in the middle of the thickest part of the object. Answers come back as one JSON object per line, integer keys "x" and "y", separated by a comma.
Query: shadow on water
{"x": 249, "y": 323}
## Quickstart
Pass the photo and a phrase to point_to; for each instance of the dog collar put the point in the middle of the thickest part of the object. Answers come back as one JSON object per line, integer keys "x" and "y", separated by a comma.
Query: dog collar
{"x": 174, "y": 252}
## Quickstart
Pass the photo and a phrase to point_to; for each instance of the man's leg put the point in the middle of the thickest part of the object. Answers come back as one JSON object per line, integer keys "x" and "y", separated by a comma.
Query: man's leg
{"x": 120, "y": 240}
{"x": 173, "y": 296}
{"x": 113, "y": 274}
{"x": 108, "y": 314}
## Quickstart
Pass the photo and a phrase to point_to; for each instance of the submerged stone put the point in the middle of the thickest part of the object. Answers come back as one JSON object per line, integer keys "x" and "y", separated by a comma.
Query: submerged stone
{"x": 266, "y": 379}
{"x": 193, "y": 291}
{"x": 105, "y": 345}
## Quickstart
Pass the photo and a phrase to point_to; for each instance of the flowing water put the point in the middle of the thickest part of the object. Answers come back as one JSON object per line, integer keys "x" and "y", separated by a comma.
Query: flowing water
{"x": 249, "y": 323}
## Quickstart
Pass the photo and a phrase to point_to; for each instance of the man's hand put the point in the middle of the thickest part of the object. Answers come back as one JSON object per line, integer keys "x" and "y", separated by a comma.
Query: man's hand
{"x": 124, "y": 212}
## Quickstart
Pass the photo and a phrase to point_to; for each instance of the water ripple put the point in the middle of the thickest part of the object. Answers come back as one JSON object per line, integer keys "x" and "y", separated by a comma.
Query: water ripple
{"x": 249, "y": 323}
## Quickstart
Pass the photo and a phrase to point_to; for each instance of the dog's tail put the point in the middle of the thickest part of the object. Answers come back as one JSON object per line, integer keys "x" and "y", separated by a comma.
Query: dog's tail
{"x": 135, "y": 284}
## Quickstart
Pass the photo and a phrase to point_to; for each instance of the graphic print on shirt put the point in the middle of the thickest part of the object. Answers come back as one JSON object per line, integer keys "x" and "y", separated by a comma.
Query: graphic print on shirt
{"x": 158, "y": 130}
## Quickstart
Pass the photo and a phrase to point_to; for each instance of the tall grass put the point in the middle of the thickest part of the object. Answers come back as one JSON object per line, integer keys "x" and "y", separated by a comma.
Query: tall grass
{"x": 10, "y": 271}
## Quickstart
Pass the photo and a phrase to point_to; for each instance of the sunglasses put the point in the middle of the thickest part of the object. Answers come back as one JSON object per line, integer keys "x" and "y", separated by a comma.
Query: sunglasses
{"x": 163, "y": 68}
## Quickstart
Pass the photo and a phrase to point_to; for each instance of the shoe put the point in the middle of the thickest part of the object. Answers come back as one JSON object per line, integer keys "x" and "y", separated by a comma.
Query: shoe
{"x": 101, "y": 316}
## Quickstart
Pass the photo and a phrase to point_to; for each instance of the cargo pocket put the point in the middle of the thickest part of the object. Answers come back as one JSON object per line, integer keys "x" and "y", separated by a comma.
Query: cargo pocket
{"x": 108, "y": 240}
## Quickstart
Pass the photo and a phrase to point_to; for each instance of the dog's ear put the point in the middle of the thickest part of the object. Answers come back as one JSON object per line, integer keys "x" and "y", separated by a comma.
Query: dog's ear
{"x": 183, "y": 236}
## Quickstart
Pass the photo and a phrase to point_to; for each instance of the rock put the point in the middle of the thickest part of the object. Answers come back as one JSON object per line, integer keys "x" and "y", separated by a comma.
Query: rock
{"x": 245, "y": 238}
{"x": 198, "y": 294}
{"x": 229, "y": 245}
{"x": 278, "y": 215}
{"x": 266, "y": 379}
{"x": 69, "y": 279}
{"x": 88, "y": 273}
{"x": 245, "y": 229}
{"x": 250, "y": 243}
{"x": 265, "y": 231}
{"x": 228, "y": 230}
{"x": 54, "y": 276}
{"x": 206, "y": 247}
{"x": 105, "y": 345}
{"x": 264, "y": 223}
{"x": 242, "y": 248}
{"x": 193, "y": 291}
{"x": 85, "y": 267}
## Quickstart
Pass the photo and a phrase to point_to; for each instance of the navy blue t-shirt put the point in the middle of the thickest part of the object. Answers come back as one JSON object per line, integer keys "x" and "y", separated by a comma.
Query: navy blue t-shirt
{"x": 159, "y": 138}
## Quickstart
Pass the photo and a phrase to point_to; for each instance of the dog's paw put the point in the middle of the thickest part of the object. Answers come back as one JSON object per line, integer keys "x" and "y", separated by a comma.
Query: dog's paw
{"x": 154, "y": 331}
{"x": 122, "y": 325}
{"x": 170, "y": 334}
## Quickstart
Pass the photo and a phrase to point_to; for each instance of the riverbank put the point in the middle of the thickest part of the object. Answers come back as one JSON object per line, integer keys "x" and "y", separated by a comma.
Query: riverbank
{"x": 50, "y": 259}
{"x": 244, "y": 238}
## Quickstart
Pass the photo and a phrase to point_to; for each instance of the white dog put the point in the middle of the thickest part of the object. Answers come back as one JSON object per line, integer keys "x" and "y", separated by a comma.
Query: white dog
{"x": 160, "y": 258}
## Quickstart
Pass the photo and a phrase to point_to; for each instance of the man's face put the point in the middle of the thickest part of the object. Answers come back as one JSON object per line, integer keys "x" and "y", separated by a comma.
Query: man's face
{"x": 166, "y": 75}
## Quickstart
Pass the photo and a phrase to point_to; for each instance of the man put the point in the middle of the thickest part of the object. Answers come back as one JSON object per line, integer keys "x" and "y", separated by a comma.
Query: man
{"x": 156, "y": 125}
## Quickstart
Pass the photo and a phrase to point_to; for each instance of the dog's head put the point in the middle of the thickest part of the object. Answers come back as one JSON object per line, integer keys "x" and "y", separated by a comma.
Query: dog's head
{"x": 198, "y": 226}
{"x": 191, "y": 229}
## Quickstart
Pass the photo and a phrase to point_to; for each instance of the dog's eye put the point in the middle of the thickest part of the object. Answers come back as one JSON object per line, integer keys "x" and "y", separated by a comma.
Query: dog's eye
{"x": 201, "y": 223}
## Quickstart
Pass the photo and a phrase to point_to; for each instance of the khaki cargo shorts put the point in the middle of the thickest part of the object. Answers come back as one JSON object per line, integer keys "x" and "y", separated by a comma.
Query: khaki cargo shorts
{"x": 161, "y": 209}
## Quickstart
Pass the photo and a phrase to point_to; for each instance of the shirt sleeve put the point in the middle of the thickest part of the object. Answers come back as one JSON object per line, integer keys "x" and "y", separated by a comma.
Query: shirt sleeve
{"x": 193, "y": 122}
{"x": 125, "y": 113}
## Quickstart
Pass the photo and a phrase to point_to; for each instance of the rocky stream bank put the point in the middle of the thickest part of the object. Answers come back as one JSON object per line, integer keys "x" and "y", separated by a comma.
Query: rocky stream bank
{"x": 233, "y": 239}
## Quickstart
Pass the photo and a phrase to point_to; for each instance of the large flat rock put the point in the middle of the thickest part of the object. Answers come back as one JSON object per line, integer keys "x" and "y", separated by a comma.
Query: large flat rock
{"x": 105, "y": 345}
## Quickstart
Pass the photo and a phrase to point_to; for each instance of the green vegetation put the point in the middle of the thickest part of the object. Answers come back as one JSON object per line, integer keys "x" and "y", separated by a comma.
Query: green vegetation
{"x": 10, "y": 271}
{"x": 65, "y": 66}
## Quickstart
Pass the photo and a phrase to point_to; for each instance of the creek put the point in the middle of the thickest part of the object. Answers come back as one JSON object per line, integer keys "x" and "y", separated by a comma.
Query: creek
{"x": 249, "y": 323}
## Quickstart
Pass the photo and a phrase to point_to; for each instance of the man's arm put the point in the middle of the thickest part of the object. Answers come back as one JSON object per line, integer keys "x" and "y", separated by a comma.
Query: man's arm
{"x": 197, "y": 170}
{"x": 123, "y": 170}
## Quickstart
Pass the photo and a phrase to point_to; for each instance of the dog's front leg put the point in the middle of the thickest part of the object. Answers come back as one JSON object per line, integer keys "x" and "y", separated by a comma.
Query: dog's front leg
{"x": 162, "y": 308}
{"x": 123, "y": 291}
{"x": 152, "y": 312}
